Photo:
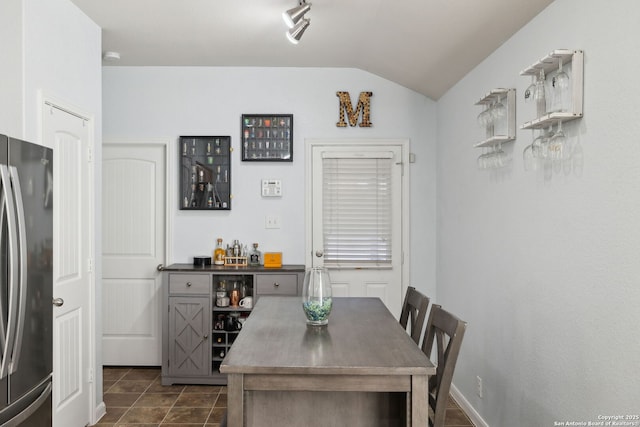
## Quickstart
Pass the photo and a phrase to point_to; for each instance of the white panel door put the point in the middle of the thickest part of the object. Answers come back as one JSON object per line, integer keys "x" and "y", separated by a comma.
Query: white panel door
{"x": 133, "y": 236}
{"x": 72, "y": 276}
{"x": 385, "y": 283}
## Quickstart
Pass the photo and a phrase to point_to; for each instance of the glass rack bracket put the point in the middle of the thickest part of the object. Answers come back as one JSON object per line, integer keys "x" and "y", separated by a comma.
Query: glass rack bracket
{"x": 505, "y": 129}
{"x": 574, "y": 60}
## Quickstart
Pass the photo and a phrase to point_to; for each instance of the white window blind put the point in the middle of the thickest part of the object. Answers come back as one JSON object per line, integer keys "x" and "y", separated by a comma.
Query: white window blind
{"x": 357, "y": 214}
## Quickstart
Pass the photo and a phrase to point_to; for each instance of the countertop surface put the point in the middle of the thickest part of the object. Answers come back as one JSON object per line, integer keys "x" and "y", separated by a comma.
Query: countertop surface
{"x": 190, "y": 268}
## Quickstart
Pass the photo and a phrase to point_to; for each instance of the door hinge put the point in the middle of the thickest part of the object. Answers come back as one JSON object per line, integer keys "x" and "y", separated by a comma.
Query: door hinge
{"x": 90, "y": 265}
{"x": 90, "y": 375}
{"x": 89, "y": 155}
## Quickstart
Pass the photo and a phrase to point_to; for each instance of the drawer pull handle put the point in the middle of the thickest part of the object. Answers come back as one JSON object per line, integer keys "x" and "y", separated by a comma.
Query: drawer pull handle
{"x": 276, "y": 284}
{"x": 188, "y": 284}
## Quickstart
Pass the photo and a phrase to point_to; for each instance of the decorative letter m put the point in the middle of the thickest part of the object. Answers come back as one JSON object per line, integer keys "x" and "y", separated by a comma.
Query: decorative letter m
{"x": 364, "y": 105}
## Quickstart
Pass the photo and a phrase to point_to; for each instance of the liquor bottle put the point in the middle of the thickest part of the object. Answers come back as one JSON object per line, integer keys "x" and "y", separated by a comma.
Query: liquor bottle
{"x": 255, "y": 257}
{"x": 218, "y": 254}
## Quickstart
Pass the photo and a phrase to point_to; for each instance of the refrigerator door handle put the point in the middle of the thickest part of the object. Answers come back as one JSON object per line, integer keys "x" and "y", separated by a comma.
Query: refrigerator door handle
{"x": 12, "y": 270}
{"x": 3, "y": 317}
{"x": 22, "y": 265}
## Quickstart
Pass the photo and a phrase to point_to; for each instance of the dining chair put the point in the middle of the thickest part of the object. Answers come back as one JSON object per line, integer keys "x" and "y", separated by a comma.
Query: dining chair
{"x": 446, "y": 331}
{"x": 414, "y": 308}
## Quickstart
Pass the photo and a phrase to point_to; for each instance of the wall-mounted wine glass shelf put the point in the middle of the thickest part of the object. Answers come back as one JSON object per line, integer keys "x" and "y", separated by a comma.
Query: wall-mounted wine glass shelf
{"x": 502, "y": 129}
{"x": 574, "y": 60}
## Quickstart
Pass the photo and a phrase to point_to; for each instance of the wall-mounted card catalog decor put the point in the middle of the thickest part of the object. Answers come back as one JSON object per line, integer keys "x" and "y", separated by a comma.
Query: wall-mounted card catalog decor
{"x": 205, "y": 172}
{"x": 267, "y": 137}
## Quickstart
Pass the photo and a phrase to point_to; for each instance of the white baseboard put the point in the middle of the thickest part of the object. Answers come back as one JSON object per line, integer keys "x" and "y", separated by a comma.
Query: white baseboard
{"x": 467, "y": 408}
{"x": 99, "y": 412}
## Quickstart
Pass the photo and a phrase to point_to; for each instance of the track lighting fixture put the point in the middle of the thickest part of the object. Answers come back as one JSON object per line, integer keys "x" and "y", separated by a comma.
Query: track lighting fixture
{"x": 292, "y": 16}
{"x": 295, "y": 34}
{"x": 295, "y": 20}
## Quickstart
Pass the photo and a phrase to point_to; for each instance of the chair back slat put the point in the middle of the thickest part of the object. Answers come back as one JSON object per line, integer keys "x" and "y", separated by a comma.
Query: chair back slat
{"x": 446, "y": 331}
{"x": 414, "y": 312}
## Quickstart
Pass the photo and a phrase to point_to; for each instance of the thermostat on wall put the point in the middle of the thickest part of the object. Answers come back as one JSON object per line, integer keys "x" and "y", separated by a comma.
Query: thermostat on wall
{"x": 271, "y": 188}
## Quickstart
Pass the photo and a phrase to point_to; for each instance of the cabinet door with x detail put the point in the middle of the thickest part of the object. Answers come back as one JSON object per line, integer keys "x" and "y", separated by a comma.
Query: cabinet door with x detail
{"x": 189, "y": 336}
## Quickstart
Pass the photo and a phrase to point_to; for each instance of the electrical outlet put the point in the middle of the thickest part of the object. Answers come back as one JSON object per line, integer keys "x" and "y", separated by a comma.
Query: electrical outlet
{"x": 271, "y": 221}
{"x": 479, "y": 386}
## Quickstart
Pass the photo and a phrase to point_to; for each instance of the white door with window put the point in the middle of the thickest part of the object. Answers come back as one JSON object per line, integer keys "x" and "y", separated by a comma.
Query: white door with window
{"x": 68, "y": 134}
{"x": 133, "y": 245}
{"x": 358, "y": 216}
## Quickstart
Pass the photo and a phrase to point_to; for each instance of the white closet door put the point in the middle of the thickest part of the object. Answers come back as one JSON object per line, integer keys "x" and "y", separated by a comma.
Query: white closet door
{"x": 133, "y": 245}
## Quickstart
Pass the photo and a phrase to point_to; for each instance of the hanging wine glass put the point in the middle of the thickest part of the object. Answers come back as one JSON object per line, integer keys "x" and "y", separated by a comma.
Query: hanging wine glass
{"x": 484, "y": 118}
{"x": 557, "y": 144}
{"x": 527, "y": 158}
{"x": 498, "y": 111}
{"x": 481, "y": 158}
{"x": 544, "y": 144}
{"x": 530, "y": 90}
{"x": 531, "y": 153}
{"x": 501, "y": 158}
{"x": 540, "y": 95}
{"x": 536, "y": 145}
{"x": 558, "y": 148}
{"x": 560, "y": 84}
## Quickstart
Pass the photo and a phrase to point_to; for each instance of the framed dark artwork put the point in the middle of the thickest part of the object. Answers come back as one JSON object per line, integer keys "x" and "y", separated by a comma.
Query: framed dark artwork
{"x": 267, "y": 137}
{"x": 205, "y": 172}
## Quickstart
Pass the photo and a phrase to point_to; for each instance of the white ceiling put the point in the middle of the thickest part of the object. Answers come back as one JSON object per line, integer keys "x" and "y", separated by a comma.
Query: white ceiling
{"x": 425, "y": 45}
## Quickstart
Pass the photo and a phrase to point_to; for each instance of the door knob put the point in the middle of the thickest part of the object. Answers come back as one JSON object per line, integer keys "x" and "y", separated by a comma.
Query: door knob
{"x": 58, "y": 302}
{"x": 319, "y": 253}
{"x": 160, "y": 267}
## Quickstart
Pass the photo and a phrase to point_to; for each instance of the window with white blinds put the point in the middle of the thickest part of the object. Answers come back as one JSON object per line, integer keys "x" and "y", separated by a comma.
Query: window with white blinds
{"x": 357, "y": 211}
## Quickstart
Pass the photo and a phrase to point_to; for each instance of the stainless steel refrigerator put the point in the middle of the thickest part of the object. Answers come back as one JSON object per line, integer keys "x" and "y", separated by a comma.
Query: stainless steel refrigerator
{"x": 26, "y": 280}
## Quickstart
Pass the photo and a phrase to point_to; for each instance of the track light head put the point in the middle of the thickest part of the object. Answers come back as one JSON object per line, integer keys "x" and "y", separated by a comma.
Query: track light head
{"x": 292, "y": 16}
{"x": 295, "y": 34}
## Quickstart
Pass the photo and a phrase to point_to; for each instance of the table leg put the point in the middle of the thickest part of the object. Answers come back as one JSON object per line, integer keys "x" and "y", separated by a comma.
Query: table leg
{"x": 419, "y": 401}
{"x": 235, "y": 400}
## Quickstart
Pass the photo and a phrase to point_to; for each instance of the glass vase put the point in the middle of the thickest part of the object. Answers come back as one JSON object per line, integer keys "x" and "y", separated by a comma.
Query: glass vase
{"x": 316, "y": 296}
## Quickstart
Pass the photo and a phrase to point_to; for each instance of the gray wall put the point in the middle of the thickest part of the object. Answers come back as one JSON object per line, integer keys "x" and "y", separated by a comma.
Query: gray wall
{"x": 11, "y": 82}
{"x": 146, "y": 102}
{"x": 545, "y": 269}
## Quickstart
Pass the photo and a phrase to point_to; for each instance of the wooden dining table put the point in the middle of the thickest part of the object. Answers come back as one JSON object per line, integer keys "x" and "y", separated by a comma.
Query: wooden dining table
{"x": 360, "y": 370}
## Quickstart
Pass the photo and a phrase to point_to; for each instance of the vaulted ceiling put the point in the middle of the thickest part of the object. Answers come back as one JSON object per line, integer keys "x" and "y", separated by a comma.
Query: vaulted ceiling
{"x": 424, "y": 45}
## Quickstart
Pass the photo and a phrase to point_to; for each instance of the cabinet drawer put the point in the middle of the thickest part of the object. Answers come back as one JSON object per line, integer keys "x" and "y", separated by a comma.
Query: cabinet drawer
{"x": 189, "y": 284}
{"x": 277, "y": 284}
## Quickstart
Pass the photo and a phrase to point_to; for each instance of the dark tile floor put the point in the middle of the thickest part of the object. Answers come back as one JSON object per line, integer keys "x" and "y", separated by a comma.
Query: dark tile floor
{"x": 135, "y": 398}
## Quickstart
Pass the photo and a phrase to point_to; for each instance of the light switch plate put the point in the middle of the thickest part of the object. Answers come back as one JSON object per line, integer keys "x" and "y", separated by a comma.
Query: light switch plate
{"x": 271, "y": 221}
{"x": 271, "y": 188}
